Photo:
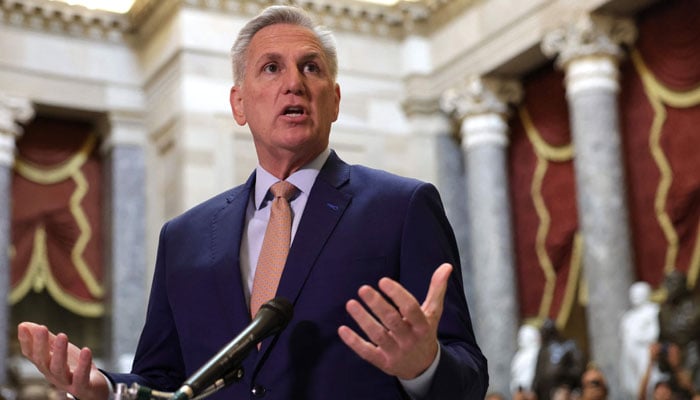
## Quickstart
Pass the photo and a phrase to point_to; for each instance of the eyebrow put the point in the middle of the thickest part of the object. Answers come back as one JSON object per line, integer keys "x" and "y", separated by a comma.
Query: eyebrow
{"x": 311, "y": 56}
{"x": 269, "y": 56}
{"x": 275, "y": 56}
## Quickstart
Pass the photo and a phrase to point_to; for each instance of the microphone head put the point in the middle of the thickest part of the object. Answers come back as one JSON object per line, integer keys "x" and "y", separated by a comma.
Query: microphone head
{"x": 279, "y": 309}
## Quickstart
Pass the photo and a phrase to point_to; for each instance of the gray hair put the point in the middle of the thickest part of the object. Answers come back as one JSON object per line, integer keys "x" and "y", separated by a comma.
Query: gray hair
{"x": 280, "y": 14}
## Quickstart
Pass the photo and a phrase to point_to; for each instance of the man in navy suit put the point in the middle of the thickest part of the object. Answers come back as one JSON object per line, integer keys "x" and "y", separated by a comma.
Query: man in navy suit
{"x": 356, "y": 233}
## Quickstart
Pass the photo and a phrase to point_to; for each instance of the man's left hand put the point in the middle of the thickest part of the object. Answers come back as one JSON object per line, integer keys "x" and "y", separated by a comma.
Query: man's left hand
{"x": 403, "y": 336}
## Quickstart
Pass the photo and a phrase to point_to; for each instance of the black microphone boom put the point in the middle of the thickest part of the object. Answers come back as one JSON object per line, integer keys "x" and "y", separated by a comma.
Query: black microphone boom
{"x": 272, "y": 317}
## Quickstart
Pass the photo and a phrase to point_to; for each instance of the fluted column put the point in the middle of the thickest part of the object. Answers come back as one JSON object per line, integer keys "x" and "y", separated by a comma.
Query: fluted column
{"x": 13, "y": 110}
{"x": 432, "y": 133}
{"x": 482, "y": 106}
{"x": 588, "y": 50}
{"x": 125, "y": 253}
{"x": 436, "y": 142}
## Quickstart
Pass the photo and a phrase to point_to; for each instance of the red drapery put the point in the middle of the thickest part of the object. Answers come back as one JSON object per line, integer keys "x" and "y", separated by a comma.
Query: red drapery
{"x": 56, "y": 217}
{"x": 660, "y": 115}
{"x": 661, "y": 85}
{"x": 543, "y": 195}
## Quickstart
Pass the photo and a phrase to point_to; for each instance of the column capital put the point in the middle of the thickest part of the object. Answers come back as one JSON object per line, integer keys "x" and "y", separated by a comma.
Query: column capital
{"x": 13, "y": 111}
{"x": 413, "y": 106}
{"x": 123, "y": 128}
{"x": 482, "y": 106}
{"x": 589, "y": 36}
{"x": 475, "y": 96}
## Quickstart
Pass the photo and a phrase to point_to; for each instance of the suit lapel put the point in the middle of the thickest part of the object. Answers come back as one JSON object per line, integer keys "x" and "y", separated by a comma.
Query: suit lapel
{"x": 323, "y": 210}
{"x": 226, "y": 232}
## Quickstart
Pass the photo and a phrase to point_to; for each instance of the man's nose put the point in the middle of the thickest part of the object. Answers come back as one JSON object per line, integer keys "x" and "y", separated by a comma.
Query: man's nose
{"x": 294, "y": 82}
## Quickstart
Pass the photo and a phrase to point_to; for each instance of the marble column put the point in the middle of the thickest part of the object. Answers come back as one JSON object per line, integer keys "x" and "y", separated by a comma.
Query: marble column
{"x": 588, "y": 50}
{"x": 13, "y": 110}
{"x": 482, "y": 106}
{"x": 432, "y": 130}
{"x": 125, "y": 233}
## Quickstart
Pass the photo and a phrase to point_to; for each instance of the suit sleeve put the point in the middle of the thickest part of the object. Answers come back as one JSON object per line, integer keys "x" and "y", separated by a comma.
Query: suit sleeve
{"x": 428, "y": 241}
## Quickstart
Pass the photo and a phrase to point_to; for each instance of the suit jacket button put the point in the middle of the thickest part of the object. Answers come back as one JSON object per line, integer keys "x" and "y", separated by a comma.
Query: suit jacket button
{"x": 258, "y": 391}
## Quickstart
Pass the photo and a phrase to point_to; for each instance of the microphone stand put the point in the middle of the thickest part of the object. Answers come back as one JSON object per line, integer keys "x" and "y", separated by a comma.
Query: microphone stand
{"x": 138, "y": 392}
{"x": 272, "y": 317}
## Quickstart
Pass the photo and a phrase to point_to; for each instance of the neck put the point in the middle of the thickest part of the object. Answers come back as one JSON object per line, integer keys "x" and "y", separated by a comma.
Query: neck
{"x": 283, "y": 165}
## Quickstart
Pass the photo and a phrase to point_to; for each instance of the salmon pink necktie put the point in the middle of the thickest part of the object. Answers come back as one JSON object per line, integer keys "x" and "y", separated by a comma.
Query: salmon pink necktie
{"x": 275, "y": 247}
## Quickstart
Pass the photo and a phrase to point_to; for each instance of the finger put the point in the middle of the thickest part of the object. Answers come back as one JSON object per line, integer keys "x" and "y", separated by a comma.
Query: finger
{"x": 388, "y": 315}
{"x": 28, "y": 333}
{"x": 81, "y": 375}
{"x": 407, "y": 304}
{"x": 435, "y": 299}
{"x": 40, "y": 349}
{"x": 24, "y": 335}
{"x": 375, "y": 331}
{"x": 361, "y": 347}
{"x": 58, "y": 364}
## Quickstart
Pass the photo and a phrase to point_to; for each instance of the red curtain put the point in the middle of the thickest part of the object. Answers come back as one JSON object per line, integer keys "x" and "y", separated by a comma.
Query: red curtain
{"x": 56, "y": 232}
{"x": 662, "y": 165}
{"x": 543, "y": 198}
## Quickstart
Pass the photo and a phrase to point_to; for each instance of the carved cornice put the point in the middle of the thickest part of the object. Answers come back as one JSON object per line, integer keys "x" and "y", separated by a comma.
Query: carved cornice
{"x": 341, "y": 15}
{"x": 348, "y": 15}
{"x": 57, "y": 17}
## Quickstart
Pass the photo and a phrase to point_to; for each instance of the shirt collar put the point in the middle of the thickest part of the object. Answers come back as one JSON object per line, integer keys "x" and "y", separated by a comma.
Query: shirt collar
{"x": 303, "y": 178}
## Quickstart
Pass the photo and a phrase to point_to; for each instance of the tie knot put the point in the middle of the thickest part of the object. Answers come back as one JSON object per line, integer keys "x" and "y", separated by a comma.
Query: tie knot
{"x": 283, "y": 189}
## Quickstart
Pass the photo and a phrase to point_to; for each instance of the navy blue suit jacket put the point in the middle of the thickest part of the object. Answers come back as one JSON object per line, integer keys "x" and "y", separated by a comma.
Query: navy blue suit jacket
{"x": 359, "y": 225}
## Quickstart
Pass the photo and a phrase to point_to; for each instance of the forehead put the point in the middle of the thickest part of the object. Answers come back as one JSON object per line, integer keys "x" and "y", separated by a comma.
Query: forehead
{"x": 284, "y": 38}
{"x": 593, "y": 374}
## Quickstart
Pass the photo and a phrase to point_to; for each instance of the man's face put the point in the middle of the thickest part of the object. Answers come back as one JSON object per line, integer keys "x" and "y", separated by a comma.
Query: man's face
{"x": 594, "y": 385}
{"x": 288, "y": 97}
{"x": 662, "y": 391}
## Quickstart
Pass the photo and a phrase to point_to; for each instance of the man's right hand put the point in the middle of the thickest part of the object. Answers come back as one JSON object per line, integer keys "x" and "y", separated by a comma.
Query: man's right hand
{"x": 63, "y": 364}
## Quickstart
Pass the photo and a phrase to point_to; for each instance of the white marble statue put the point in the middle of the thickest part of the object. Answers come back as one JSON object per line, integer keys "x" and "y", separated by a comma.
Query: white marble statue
{"x": 522, "y": 367}
{"x": 639, "y": 328}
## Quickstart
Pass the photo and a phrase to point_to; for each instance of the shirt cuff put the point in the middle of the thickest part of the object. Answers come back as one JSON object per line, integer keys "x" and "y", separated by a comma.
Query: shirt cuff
{"x": 418, "y": 387}
{"x": 110, "y": 385}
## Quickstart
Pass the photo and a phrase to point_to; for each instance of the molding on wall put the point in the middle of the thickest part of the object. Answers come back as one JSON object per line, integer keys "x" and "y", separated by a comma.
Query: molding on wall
{"x": 399, "y": 20}
{"x": 56, "y": 17}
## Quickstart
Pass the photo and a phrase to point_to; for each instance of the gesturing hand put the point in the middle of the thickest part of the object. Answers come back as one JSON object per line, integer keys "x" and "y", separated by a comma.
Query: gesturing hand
{"x": 403, "y": 338}
{"x": 63, "y": 364}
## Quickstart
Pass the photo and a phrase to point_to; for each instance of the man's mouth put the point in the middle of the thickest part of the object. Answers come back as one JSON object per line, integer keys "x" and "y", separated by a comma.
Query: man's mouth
{"x": 293, "y": 111}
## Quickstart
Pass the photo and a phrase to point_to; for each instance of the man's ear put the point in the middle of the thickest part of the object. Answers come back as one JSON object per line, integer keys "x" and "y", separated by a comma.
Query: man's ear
{"x": 236, "y": 101}
{"x": 337, "y": 102}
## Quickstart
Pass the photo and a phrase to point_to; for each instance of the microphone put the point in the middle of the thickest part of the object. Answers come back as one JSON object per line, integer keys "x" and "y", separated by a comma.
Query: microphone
{"x": 272, "y": 317}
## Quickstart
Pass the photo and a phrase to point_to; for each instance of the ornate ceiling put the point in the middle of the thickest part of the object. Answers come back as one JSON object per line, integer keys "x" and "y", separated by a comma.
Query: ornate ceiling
{"x": 397, "y": 20}
{"x": 123, "y": 6}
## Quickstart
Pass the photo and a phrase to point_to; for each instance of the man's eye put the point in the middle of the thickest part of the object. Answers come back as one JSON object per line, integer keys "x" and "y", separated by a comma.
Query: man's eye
{"x": 270, "y": 68}
{"x": 312, "y": 68}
